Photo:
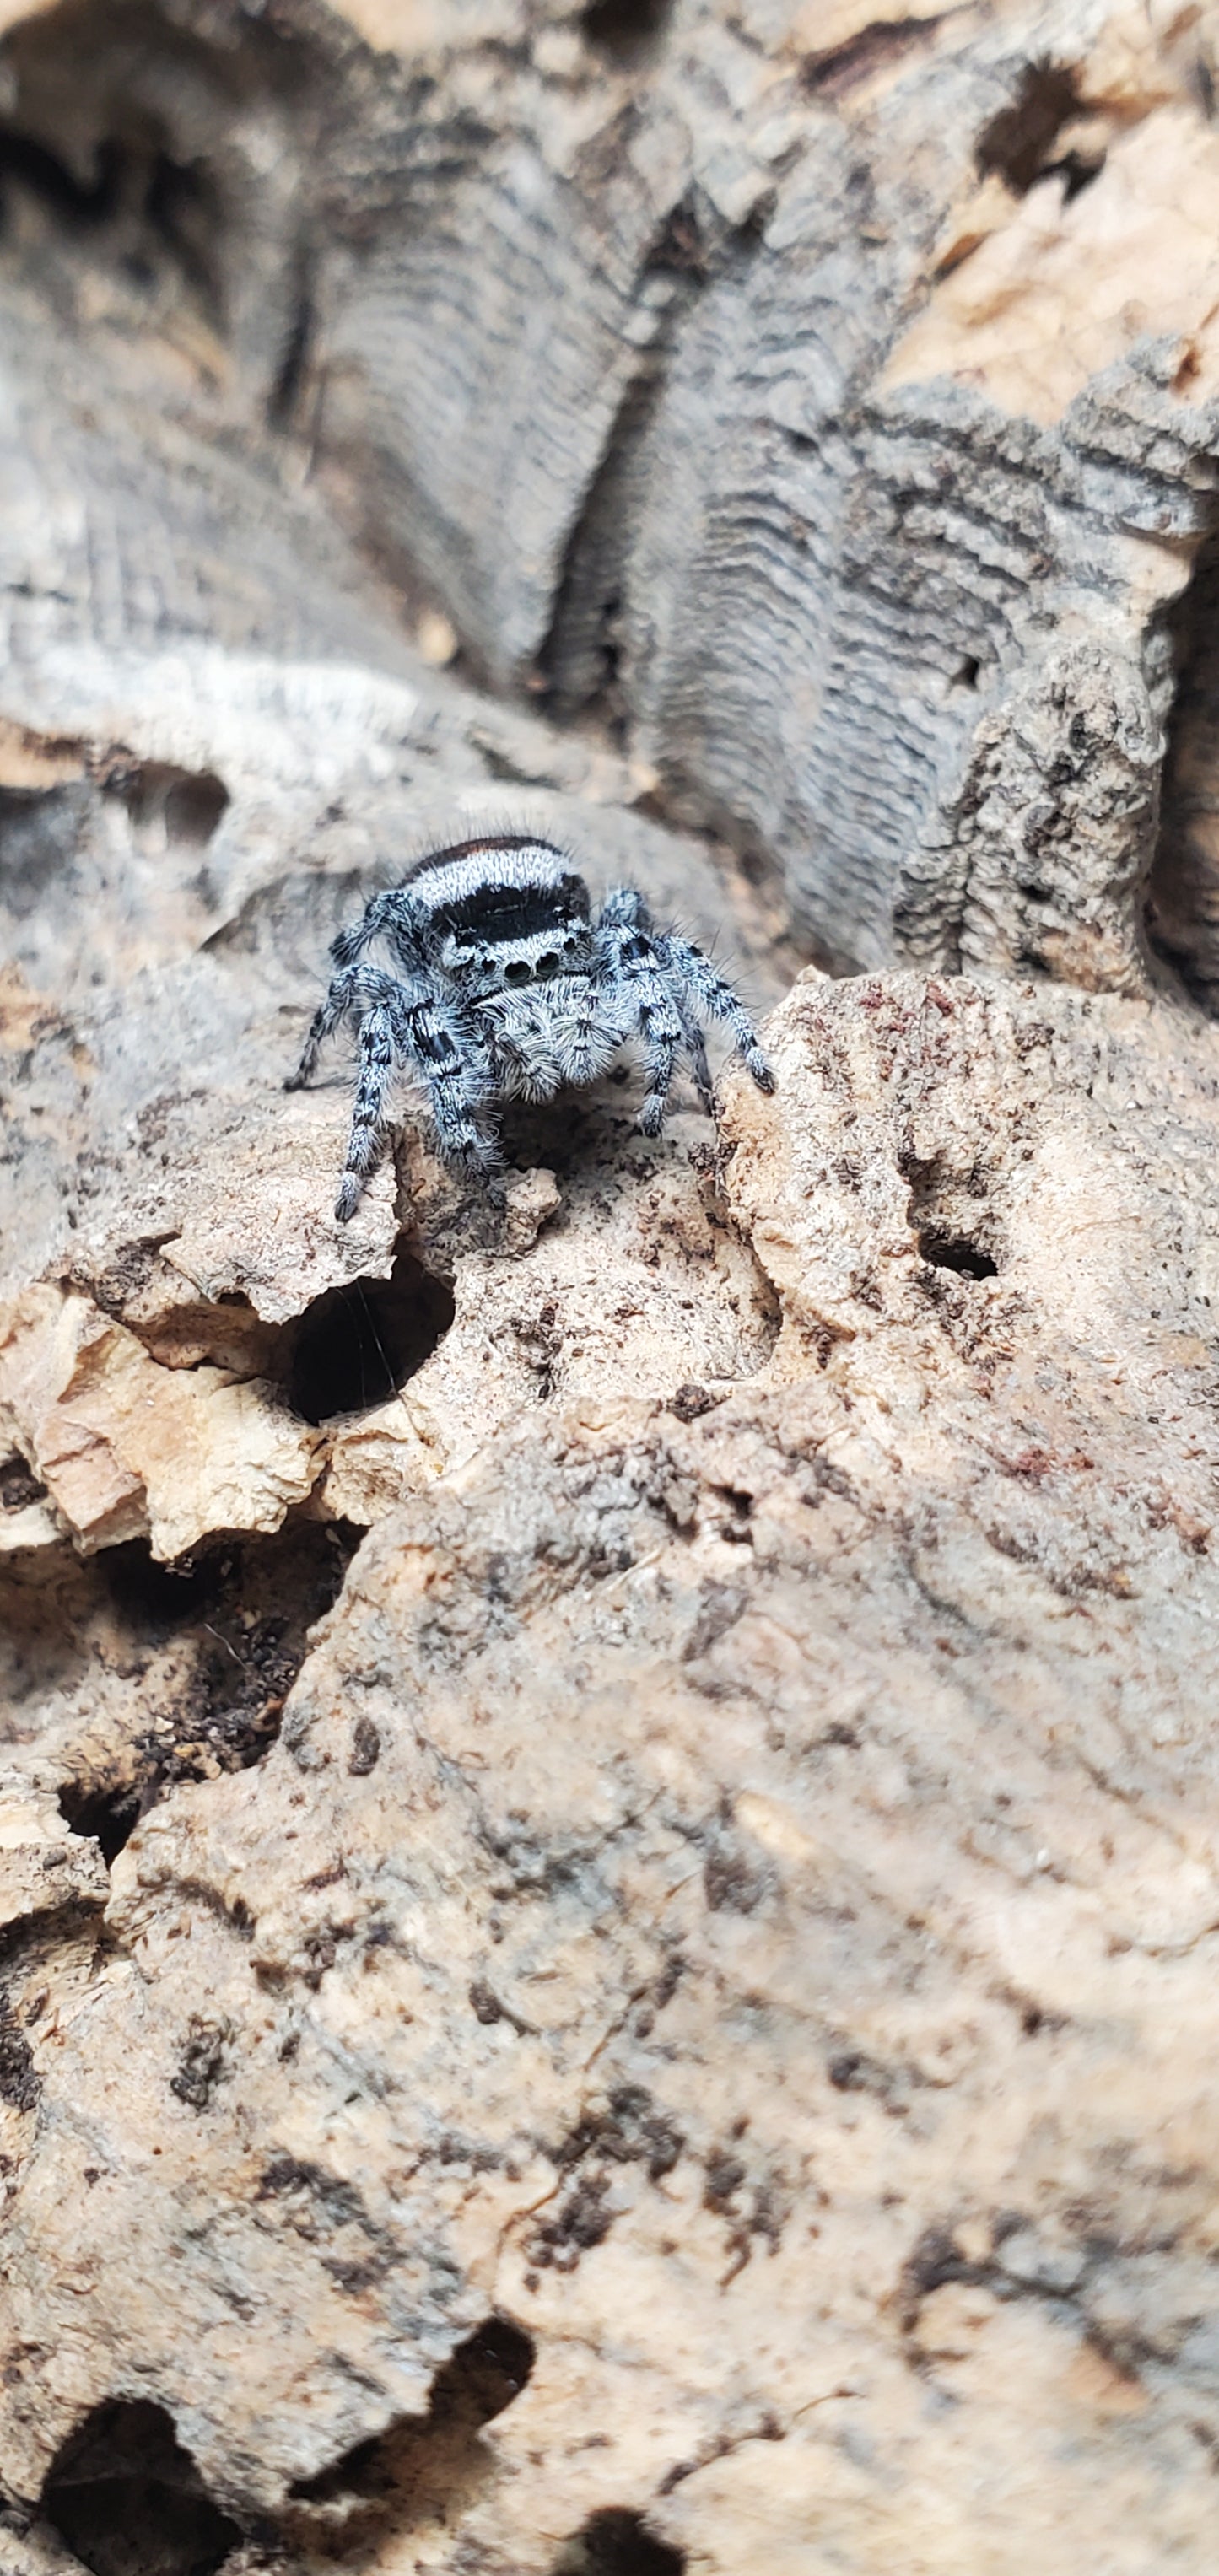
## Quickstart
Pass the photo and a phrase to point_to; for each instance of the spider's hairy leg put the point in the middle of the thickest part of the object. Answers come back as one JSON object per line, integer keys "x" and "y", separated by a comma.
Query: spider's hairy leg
{"x": 660, "y": 1029}
{"x": 522, "y": 1062}
{"x": 390, "y": 914}
{"x": 347, "y": 990}
{"x": 695, "y": 1049}
{"x": 636, "y": 967}
{"x": 453, "y": 1067}
{"x": 350, "y": 984}
{"x": 714, "y": 999}
{"x": 367, "y": 1139}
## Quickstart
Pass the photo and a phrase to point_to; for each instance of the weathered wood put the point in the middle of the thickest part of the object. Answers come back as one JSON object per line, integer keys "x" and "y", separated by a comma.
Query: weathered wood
{"x": 626, "y": 1783}
{"x": 770, "y": 386}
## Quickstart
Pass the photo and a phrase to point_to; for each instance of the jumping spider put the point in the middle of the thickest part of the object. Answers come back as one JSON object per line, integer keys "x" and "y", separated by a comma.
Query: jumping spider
{"x": 502, "y": 986}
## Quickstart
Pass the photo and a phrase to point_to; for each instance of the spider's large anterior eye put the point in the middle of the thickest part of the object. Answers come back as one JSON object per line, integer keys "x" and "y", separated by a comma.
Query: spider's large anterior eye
{"x": 547, "y": 965}
{"x": 516, "y": 971}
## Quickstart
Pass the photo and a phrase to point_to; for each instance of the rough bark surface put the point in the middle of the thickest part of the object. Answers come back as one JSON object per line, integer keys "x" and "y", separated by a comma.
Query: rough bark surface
{"x": 783, "y": 385}
{"x": 609, "y": 1823}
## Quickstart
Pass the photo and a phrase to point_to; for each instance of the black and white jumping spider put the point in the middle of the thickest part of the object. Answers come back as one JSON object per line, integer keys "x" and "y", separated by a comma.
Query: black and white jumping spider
{"x": 503, "y": 987}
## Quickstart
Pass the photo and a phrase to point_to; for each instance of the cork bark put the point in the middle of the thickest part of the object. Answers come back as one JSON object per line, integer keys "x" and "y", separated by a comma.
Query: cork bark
{"x": 609, "y": 1825}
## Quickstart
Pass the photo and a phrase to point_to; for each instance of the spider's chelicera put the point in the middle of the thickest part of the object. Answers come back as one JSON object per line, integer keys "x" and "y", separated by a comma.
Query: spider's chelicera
{"x": 502, "y": 986}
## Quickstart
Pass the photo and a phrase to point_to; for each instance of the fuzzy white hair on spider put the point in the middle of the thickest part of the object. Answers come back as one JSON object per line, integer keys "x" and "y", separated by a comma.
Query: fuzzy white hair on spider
{"x": 501, "y": 985}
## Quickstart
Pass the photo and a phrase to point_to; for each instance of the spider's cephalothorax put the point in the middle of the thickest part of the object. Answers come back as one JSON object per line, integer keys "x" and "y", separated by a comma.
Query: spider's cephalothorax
{"x": 502, "y": 986}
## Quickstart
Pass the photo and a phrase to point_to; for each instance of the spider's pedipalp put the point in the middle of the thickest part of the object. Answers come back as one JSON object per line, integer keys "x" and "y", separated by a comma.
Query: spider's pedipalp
{"x": 624, "y": 908}
{"x": 591, "y": 1034}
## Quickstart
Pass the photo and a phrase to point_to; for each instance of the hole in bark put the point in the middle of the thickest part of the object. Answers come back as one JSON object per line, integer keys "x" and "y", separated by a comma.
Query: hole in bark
{"x": 74, "y": 201}
{"x": 432, "y": 2463}
{"x": 156, "y": 1600}
{"x": 187, "y": 804}
{"x": 19, "y": 1486}
{"x": 626, "y": 29}
{"x": 194, "y": 806}
{"x": 109, "y": 1815}
{"x": 953, "y": 1252}
{"x": 616, "y": 2542}
{"x": 357, "y": 1344}
{"x": 1018, "y": 142}
{"x": 129, "y": 2500}
{"x": 949, "y": 1219}
{"x": 210, "y": 1648}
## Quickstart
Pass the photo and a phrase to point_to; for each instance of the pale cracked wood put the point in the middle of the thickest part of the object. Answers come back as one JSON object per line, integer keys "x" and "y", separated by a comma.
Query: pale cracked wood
{"x": 734, "y": 1895}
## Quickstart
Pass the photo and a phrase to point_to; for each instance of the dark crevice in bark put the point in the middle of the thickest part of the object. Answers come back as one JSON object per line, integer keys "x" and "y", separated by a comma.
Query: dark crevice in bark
{"x": 230, "y": 1626}
{"x": 1182, "y": 905}
{"x": 128, "y": 2499}
{"x": 581, "y": 656}
{"x": 626, "y": 31}
{"x": 617, "y": 2542}
{"x": 286, "y": 398}
{"x": 833, "y": 71}
{"x": 1018, "y": 144}
{"x": 423, "y": 2466}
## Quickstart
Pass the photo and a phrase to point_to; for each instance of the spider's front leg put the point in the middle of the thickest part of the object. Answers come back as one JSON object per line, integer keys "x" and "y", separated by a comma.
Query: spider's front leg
{"x": 673, "y": 986}
{"x": 413, "y": 1027}
{"x": 340, "y": 999}
{"x": 624, "y": 935}
{"x": 366, "y": 1142}
{"x": 350, "y": 985}
{"x": 707, "y": 996}
{"x": 377, "y": 998}
{"x": 454, "y": 1068}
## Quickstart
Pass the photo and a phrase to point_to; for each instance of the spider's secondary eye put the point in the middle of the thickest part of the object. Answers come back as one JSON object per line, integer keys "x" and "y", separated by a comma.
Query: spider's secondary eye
{"x": 516, "y": 971}
{"x": 547, "y": 965}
